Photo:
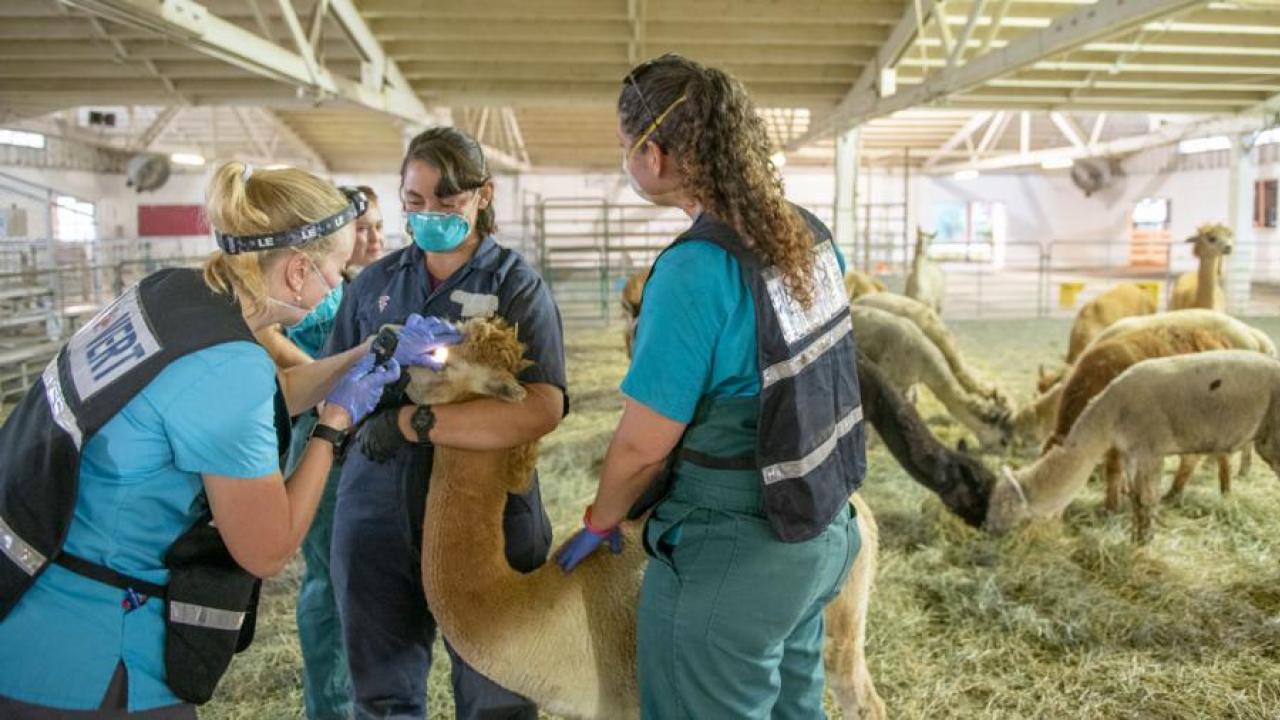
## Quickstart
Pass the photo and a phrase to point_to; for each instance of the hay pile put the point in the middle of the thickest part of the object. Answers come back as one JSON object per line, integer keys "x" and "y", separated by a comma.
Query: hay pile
{"x": 1058, "y": 621}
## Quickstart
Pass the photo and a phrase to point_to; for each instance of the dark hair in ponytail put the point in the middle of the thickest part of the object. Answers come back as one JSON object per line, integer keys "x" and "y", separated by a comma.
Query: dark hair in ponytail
{"x": 722, "y": 148}
{"x": 460, "y": 160}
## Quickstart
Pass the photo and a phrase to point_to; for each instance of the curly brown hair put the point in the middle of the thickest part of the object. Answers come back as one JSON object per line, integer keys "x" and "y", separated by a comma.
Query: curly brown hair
{"x": 722, "y": 148}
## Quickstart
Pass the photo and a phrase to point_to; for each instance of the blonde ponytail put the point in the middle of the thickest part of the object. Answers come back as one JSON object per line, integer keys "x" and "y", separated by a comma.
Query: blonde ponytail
{"x": 264, "y": 202}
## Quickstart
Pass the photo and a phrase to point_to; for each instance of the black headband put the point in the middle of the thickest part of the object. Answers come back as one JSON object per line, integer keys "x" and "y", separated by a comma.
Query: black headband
{"x": 357, "y": 204}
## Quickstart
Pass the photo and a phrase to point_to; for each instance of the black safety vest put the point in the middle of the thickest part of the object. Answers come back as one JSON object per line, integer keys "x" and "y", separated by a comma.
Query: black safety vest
{"x": 810, "y": 443}
{"x": 166, "y": 316}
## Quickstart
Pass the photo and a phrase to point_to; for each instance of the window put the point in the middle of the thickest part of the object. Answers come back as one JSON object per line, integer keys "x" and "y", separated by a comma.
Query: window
{"x": 1152, "y": 214}
{"x": 971, "y": 231}
{"x": 21, "y": 139}
{"x": 1264, "y": 203}
{"x": 74, "y": 220}
{"x": 1266, "y": 137}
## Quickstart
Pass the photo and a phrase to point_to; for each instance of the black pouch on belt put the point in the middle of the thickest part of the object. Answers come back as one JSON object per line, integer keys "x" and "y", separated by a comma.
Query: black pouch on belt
{"x": 210, "y": 609}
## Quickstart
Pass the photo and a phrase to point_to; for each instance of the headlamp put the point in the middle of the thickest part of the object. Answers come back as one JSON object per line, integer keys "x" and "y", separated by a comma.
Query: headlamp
{"x": 357, "y": 204}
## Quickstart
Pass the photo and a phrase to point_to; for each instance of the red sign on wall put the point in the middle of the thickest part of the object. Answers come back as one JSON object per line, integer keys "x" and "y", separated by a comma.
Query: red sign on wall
{"x": 169, "y": 220}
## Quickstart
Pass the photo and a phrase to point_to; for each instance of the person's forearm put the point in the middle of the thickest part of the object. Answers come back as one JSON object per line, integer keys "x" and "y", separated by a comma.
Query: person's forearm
{"x": 281, "y": 349}
{"x": 305, "y": 487}
{"x": 305, "y": 386}
{"x": 489, "y": 424}
{"x": 626, "y": 475}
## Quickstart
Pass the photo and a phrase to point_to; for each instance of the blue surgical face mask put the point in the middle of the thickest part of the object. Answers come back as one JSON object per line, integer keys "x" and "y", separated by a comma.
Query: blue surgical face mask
{"x": 437, "y": 232}
{"x": 330, "y": 297}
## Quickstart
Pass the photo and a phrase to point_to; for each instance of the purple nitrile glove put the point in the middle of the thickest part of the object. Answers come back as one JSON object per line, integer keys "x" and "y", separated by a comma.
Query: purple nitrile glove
{"x": 420, "y": 336}
{"x": 586, "y": 541}
{"x": 359, "y": 389}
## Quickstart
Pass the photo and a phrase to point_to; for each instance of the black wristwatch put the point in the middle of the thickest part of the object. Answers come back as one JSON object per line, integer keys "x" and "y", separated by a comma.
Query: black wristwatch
{"x": 332, "y": 435}
{"x": 422, "y": 420}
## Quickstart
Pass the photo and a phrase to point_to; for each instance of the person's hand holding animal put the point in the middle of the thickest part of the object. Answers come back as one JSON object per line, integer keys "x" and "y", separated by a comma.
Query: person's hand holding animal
{"x": 421, "y": 337}
{"x": 586, "y": 541}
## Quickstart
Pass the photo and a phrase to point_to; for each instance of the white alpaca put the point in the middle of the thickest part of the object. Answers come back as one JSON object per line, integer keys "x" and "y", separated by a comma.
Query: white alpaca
{"x": 932, "y": 326}
{"x": 907, "y": 356}
{"x": 1206, "y": 403}
{"x": 926, "y": 281}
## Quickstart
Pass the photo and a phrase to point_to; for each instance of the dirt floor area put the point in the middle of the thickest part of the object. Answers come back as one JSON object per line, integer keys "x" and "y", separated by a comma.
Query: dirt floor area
{"x": 1061, "y": 620}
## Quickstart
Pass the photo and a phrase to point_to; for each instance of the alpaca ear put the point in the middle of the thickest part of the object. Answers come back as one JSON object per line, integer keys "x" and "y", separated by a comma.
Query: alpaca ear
{"x": 962, "y": 445}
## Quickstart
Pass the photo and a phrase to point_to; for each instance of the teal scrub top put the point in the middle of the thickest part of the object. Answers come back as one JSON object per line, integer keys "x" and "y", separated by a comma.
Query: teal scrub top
{"x": 697, "y": 332}
{"x": 140, "y": 488}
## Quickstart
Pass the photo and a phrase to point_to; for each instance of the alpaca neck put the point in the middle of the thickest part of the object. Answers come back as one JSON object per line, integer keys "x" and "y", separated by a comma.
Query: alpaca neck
{"x": 1058, "y": 476}
{"x": 464, "y": 565}
{"x": 1207, "y": 280}
{"x": 917, "y": 261}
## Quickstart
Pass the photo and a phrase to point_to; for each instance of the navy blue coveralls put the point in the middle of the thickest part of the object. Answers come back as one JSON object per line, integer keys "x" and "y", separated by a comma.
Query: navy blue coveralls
{"x": 377, "y": 529}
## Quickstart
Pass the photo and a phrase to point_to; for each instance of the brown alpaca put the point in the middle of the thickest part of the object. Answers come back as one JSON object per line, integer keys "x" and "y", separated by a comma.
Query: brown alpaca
{"x": 632, "y": 294}
{"x": 1104, "y": 362}
{"x": 567, "y": 642}
{"x": 1201, "y": 289}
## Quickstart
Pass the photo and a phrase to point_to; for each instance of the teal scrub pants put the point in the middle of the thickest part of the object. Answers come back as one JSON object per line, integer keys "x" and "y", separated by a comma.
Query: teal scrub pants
{"x": 326, "y": 682}
{"x": 731, "y": 618}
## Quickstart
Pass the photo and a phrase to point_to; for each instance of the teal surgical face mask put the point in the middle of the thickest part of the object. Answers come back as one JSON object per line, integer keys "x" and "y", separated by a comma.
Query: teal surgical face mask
{"x": 333, "y": 296}
{"x": 437, "y": 232}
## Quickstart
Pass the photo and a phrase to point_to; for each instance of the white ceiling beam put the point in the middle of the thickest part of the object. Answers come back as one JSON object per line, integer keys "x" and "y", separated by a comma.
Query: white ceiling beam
{"x": 153, "y": 131}
{"x": 316, "y": 31}
{"x": 1096, "y": 133}
{"x": 1024, "y": 133}
{"x": 994, "y": 132}
{"x": 957, "y": 52}
{"x": 636, "y": 11}
{"x": 964, "y": 133}
{"x": 997, "y": 20}
{"x": 1104, "y": 19}
{"x": 261, "y": 19}
{"x": 521, "y": 150}
{"x": 1069, "y": 129}
{"x": 299, "y": 38}
{"x": 1166, "y": 135}
{"x": 904, "y": 33}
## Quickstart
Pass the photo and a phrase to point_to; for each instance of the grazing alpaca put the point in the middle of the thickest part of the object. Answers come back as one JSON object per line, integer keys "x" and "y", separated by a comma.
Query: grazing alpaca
{"x": 857, "y": 284}
{"x": 632, "y": 293}
{"x": 1121, "y": 301}
{"x": 933, "y": 328}
{"x": 960, "y": 481}
{"x": 909, "y": 357}
{"x": 566, "y": 641}
{"x": 1034, "y": 422}
{"x": 1201, "y": 289}
{"x": 1212, "y": 402}
{"x": 926, "y": 281}
{"x": 1242, "y": 335}
{"x": 1103, "y": 362}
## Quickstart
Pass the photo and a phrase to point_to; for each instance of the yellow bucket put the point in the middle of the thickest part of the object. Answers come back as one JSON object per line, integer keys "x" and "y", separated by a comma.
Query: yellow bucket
{"x": 1067, "y": 294}
{"x": 1153, "y": 288}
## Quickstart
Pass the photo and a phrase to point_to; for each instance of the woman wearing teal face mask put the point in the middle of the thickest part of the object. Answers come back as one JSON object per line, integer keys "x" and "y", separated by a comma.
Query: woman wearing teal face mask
{"x": 455, "y": 269}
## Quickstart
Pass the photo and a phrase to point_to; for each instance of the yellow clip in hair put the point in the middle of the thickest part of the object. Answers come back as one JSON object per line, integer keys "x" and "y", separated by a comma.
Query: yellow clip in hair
{"x": 653, "y": 126}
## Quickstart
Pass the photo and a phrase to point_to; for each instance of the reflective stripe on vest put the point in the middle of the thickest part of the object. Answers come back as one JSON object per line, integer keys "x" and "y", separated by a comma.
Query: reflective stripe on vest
{"x": 206, "y": 617}
{"x": 805, "y": 465}
{"x": 793, "y": 365}
{"x": 58, "y": 403}
{"x": 19, "y": 550}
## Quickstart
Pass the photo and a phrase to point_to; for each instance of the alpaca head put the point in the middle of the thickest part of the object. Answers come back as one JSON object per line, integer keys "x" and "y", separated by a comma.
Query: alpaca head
{"x": 969, "y": 486}
{"x": 925, "y": 237}
{"x": 484, "y": 364}
{"x": 1007, "y": 507}
{"x": 1212, "y": 240}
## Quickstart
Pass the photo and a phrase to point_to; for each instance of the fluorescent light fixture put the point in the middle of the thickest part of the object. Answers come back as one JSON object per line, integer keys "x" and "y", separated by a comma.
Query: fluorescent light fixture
{"x": 1056, "y": 163}
{"x": 277, "y": 166}
{"x": 187, "y": 159}
{"x": 21, "y": 139}
{"x": 966, "y": 175}
{"x": 1204, "y": 144}
{"x": 779, "y": 159}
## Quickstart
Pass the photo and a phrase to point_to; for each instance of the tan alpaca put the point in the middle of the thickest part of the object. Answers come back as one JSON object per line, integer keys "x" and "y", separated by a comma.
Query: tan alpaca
{"x": 934, "y": 329}
{"x": 568, "y": 642}
{"x": 1121, "y": 301}
{"x": 857, "y": 284}
{"x": 926, "y": 282}
{"x": 1202, "y": 289}
{"x": 632, "y": 293}
{"x": 1033, "y": 423}
{"x": 1213, "y": 402}
{"x": 908, "y": 357}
